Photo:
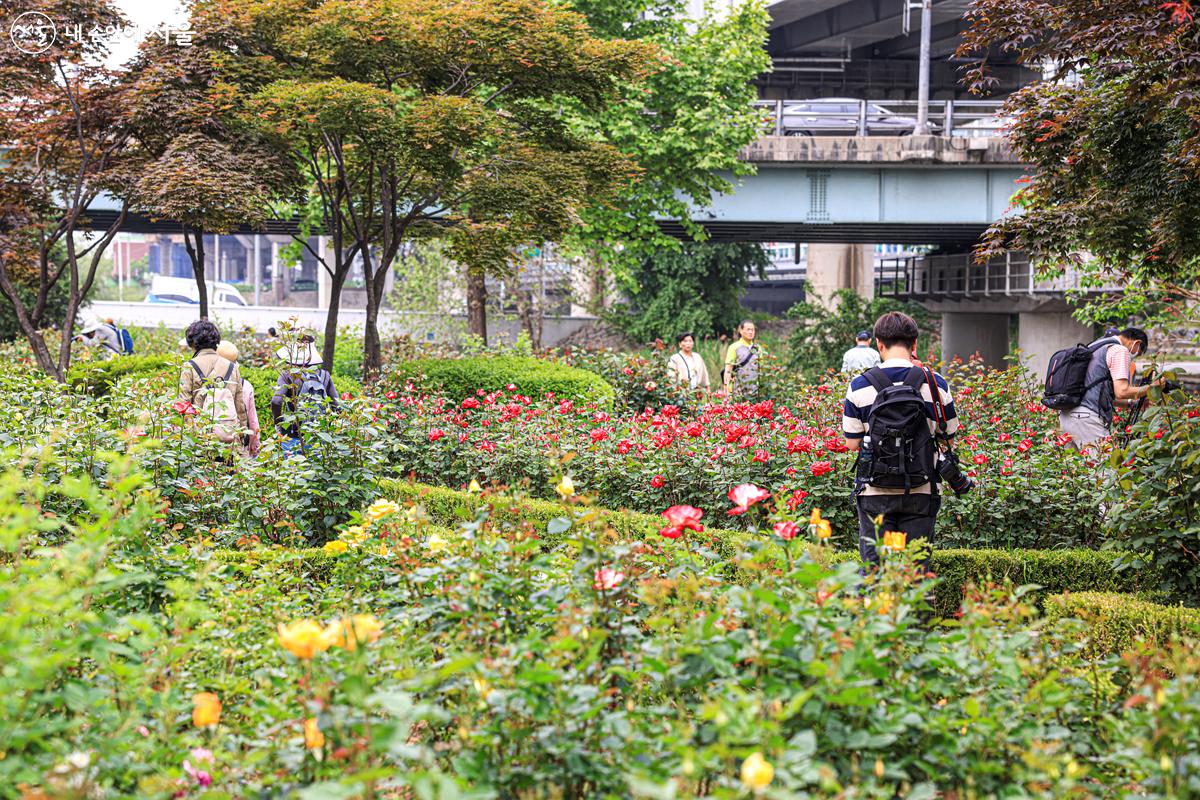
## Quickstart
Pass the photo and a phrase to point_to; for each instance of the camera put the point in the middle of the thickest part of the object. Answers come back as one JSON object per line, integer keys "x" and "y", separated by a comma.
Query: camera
{"x": 955, "y": 478}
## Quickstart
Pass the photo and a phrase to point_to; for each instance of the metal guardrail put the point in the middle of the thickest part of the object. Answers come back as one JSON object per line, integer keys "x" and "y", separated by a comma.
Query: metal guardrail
{"x": 968, "y": 118}
{"x": 958, "y": 277}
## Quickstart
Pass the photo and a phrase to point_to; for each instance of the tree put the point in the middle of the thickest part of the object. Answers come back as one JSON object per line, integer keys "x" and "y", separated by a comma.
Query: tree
{"x": 817, "y": 344}
{"x": 696, "y": 287}
{"x": 205, "y": 168}
{"x": 61, "y": 112}
{"x": 1114, "y": 144}
{"x": 683, "y": 126}
{"x": 417, "y": 119}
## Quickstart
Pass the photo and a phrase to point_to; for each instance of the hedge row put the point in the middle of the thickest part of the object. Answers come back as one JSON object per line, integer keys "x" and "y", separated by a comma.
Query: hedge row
{"x": 1115, "y": 620}
{"x": 457, "y": 378}
{"x": 1055, "y": 571}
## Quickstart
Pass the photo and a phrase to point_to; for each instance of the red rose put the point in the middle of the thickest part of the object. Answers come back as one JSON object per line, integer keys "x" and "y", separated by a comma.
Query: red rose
{"x": 657, "y": 481}
{"x": 435, "y": 434}
{"x": 681, "y": 517}
{"x": 1025, "y": 444}
{"x": 346, "y": 395}
{"x": 184, "y": 407}
{"x": 820, "y": 468}
{"x": 744, "y": 496}
{"x": 980, "y": 459}
{"x": 390, "y": 395}
{"x": 624, "y": 446}
{"x": 786, "y": 530}
{"x": 599, "y": 435}
{"x": 470, "y": 402}
{"x": 761, "y": 456}
{"x": 694, "y": 429}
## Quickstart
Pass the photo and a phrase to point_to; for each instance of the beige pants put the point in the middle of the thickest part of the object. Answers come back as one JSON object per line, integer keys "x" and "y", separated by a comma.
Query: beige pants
{"x": 1084, "y": 426}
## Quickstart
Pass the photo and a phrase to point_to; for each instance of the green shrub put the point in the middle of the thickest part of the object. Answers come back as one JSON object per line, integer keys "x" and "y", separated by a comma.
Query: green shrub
{"x": 1116, "y": 620}
{"x": 1053, "y": 570}
{"x": 97, "y": 377}
{"x": 457, "y": 378}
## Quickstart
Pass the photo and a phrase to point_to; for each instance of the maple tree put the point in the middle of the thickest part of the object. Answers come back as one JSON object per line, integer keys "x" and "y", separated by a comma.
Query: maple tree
{"x": 414, "y": 119}
{"x": 60, "y": 114}
{"x": 1113, "y": 139}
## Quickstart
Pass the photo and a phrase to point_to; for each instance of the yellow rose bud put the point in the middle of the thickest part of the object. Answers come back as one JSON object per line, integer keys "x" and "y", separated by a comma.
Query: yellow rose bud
{"x": 303, "y": 638}
{"x": 335, "y": 547}
{"x": 313, "y": 738}
{"x": 474, "y": 486}
{"x": 566, "y": 487}
{"x": 206, "y": 709}
{"x": 757, "y": 772}
{"x": 879, "y": 768}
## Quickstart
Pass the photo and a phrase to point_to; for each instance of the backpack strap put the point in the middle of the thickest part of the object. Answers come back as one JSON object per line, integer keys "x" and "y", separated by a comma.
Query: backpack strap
{"x": 229, "y": 372}
{"x": 199, "y": 371}
{"x": 878, "y": 378}
{"x": 915, "y": 378}
{"x": 751, "y": 352}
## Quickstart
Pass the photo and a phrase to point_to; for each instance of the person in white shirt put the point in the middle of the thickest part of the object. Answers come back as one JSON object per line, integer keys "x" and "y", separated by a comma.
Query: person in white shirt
{"x": 687, "y": 367}
{"x": 862, "y": 356}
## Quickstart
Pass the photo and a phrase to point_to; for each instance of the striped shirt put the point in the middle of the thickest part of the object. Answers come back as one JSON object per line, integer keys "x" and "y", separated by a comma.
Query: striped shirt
{"x": 860, "y": 396}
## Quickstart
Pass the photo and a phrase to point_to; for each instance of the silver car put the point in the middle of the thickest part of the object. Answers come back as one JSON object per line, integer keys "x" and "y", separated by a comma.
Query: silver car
{"x": 839, "y": 116}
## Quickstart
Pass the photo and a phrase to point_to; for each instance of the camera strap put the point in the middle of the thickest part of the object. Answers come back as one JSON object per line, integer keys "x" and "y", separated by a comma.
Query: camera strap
{"x": 939, "y": 410}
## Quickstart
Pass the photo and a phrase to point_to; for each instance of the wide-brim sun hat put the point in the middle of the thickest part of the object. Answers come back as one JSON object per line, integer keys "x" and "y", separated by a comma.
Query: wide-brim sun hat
{"x": 299, "y": 354}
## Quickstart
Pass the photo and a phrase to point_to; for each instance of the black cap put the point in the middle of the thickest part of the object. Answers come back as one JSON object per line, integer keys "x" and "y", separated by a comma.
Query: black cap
{"x": 863, "y": 335}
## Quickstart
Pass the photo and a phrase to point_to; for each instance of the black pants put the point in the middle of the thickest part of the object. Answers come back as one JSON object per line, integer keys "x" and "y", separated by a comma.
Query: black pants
{"x": 914, "y": 514}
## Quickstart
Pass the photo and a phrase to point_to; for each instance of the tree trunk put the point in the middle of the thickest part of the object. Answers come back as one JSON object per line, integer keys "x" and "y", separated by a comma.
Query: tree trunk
{"x": 37, "y": 342}
{"x": 372, "y": 350}
{"x": 477, "y": 304}
{"x": 331, "y": 317}
{"x": 196, "y": 254}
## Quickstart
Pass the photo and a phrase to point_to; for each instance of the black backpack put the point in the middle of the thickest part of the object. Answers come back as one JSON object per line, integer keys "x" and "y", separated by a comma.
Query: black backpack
{"x": 1066, "y": 376}
{"x": 903, "y": 448}
{"x": 311, "y": 398}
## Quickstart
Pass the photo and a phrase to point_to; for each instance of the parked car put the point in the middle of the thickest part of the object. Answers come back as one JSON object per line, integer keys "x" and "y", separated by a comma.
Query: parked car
{"x": 184, "y": 291}
{"x": 991, "y": 125}
{"x": 838, "y": 116}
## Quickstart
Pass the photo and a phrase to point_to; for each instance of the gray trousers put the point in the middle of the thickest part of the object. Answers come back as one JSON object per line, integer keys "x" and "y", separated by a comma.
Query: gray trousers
{"x": 1084, "y": 426}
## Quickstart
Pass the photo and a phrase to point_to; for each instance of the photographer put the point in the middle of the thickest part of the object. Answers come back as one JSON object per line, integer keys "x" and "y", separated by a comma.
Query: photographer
{"x": 1106, "y": 385}
{"x": 899, "y": 426}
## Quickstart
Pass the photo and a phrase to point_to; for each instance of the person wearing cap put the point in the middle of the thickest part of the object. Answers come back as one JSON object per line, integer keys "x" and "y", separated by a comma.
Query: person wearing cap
{"x": 99, "y": 334}
{"x": 203, "y": 337}
{"x": 304, "y": 368}
{"x": 862, "y": 356}
{"x": 253, "y": 440}
{"x": 686, "y": 365}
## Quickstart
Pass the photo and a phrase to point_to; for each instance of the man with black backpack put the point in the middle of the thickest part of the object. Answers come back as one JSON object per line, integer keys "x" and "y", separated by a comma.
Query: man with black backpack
{"x": 304, "y": 392}
{"x": 1085, "y": 383}
{"x": 900, "y": 418}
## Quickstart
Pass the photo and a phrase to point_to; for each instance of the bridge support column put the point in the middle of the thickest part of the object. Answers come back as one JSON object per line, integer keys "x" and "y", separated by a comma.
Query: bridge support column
{"x": 1041, "y": 334}
{"x": 964, "y": 334}
{"x": 841, "y": 266}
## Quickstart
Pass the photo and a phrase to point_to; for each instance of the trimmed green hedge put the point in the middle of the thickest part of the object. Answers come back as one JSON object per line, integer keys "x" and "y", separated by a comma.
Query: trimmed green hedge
{"x": 1054, "y": 570}
{"x": 1115, "y": 621}
{"x": 457, "y": 378}
{"x": 98, "y": 377}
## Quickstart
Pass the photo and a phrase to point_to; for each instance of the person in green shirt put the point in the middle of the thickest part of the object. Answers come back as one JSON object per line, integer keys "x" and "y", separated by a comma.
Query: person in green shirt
{"x": 741, "y": 362}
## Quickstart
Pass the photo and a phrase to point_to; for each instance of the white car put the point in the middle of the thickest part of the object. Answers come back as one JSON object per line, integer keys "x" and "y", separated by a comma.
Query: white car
{"x": 184, "y": 291}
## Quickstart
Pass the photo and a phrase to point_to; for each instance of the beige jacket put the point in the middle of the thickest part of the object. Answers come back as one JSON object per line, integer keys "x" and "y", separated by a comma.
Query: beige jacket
{"x": 689, "y": 371}
{"x": 213, "y": 366}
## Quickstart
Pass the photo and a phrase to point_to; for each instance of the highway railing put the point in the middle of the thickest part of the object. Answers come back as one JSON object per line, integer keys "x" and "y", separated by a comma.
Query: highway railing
{"x": 959, "y": 277}
{"x": 971, "y": 118}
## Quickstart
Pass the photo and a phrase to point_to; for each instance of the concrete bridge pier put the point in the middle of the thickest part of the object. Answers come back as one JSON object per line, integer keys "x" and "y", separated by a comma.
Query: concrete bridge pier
{"x": 841, "y": 266}
{"x": 964, "y": 334}
{"x": 1041, "y": 334}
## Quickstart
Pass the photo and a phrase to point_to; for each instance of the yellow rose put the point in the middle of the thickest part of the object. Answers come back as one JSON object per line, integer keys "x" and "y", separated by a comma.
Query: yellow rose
{"x": 757, "y": 772}
{"x": 474, "y": 486}
{"x": 884, "y": 602}
{"x": 313, "y": 738}
{"x": 354, "y": 535}
{"x": 481, "y": 686}
{"x": 895, "y": 540}
{"x": 566, "y": 487}
{"x": 380, "y": 509}
{"x": 303, "y": 638}
{"x": 335, "y": 547}
{"x": 206, "y": 709}
{"x": 349, "y": 631}
{"x": 824, "y": 530}
{"x": 436, "y": 544}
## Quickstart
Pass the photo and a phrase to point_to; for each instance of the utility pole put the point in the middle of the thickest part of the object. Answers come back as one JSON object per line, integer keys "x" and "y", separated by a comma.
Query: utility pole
{"x": 922, "y": 128}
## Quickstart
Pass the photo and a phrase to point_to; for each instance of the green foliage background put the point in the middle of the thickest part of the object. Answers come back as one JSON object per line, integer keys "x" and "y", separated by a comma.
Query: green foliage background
{"x": 695, "y": 288}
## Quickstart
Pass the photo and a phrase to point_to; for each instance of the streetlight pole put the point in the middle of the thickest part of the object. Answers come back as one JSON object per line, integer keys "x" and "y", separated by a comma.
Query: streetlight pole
{"x": 922, "y": 127}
